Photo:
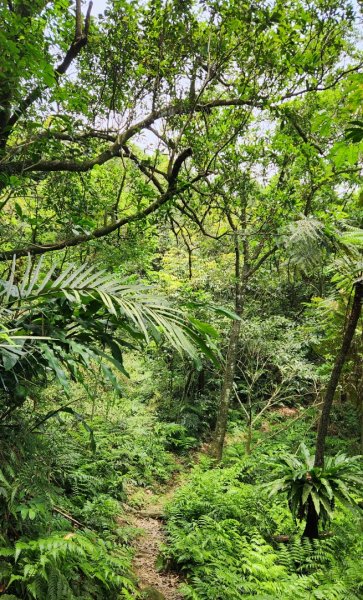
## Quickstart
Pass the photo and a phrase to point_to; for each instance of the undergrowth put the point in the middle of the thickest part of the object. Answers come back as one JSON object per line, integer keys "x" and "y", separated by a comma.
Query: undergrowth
{"x": 222, "y": 535}
{"x": 61, "y": 505}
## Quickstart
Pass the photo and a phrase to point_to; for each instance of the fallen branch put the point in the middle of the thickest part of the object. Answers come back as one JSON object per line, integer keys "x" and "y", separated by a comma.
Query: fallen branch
{"x": 69, "y": 517}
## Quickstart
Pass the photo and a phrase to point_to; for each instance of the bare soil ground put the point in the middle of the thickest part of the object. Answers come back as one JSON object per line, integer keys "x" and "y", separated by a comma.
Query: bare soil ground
{"x": 156, "y": 584}
{"x": 147, "y": 547}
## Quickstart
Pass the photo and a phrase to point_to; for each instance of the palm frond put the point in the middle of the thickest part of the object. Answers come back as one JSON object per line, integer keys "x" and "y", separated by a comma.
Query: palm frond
{"x": 68, "y": 318}
{"x": 137, "y": 304}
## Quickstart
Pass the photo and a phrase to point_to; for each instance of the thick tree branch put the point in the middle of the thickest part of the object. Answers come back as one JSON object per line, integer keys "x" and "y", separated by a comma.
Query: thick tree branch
{"x": 182, "y": 108}
{"x": 13, "y": 167}
{"x": 263, "y": 258}
{"x": 107, "y": 229}
{"x": 79, "y": 41}
{"x": 78, "y": 33}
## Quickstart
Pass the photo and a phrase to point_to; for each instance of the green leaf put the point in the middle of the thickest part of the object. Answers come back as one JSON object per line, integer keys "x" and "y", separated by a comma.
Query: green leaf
{"x": 306, "y": 492}
{"x": 316, "y": 500}
{"x": 204, "y": 327}
{"x": 71, "y": 411}
{"x": 327, "y": 486}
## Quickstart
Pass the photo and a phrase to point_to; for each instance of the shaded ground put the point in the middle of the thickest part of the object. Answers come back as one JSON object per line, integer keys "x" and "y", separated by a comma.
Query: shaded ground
{"x": 155, "y": 584}
{"x": 147, "y": 547}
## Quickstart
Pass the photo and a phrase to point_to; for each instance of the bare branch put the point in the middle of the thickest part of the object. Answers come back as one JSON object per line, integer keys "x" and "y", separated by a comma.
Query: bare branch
{"x": 263, "y": 258}
{"x": 78, "y": 32}
{"x": 144, "y": 169}
{"x": 301, "y": 132}
{"x": 329, "y": 86}
{"x": 69, "y": 517}
{"x": 192, "y": 215}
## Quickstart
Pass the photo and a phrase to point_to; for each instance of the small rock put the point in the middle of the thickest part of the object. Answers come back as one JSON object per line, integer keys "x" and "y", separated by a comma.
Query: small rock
{"x": 151, "y": 593}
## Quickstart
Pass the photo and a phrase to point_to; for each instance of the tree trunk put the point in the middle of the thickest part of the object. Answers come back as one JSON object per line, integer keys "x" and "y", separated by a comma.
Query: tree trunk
{"x": 249, "y": 438}
{"x": 242, "y": 277}
{"x": 359, "y": 388}
{"x": 335, "y": 374}
{"x": 230, "y": 366}
{"x": 312, "y": 522}
{"x": 228, "y": 378}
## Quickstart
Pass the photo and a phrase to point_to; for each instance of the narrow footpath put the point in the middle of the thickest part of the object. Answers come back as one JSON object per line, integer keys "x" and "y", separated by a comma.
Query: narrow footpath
{"x": 153, "y": 583}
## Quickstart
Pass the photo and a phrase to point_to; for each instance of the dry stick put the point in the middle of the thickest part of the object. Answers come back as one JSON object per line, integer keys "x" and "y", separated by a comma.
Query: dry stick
{"x": 69, "y": 517}
{"x": 7, "y": 198}
{"x": 302, "y": 414}
{"x": 269, "y": 405}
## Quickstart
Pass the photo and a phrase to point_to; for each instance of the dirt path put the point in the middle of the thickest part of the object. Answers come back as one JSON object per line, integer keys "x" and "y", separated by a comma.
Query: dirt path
{"x": 156, "y": 585}
{"x": 145, "y": 562}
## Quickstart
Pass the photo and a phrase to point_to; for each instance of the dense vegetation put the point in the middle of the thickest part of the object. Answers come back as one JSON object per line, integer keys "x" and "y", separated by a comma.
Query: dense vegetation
{"x": 181, "y": 284}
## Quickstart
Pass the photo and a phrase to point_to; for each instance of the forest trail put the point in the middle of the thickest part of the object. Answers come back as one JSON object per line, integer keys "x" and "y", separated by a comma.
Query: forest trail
{"x": 154, "y": 584}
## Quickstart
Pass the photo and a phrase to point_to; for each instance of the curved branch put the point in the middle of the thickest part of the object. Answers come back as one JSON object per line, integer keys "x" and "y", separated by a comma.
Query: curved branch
{"x": 181, "y": 108}
{"x": 291, "y": 117}
{"x": 107, "y": 229}
{"x": 79, "y": 41}
{"x": 144, "y": 169}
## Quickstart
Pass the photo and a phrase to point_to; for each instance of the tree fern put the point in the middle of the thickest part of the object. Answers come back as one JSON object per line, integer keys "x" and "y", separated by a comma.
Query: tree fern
{"x": 307, "y": 238}
{"x": 305, "y": 241}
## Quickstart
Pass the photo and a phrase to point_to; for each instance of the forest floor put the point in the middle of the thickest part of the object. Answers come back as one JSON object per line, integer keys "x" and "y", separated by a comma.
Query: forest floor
{"x": 154, "y": 583}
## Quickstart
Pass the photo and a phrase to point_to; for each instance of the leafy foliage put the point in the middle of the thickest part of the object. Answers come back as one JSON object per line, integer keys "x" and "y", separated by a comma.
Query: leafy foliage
{"x": 220, "y": 530}
{"x": 46, "y": 551}
{"x": 68, "y": 543}
{"x": 354, "y": 133}
{"x": 340, "y": 477}
{"x": 54, "y": 567}
{"x": 208, "y": 153}
{"x": 57, "y": 320}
